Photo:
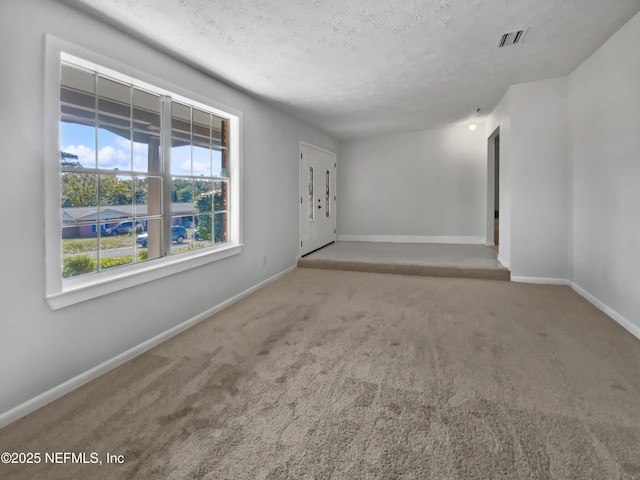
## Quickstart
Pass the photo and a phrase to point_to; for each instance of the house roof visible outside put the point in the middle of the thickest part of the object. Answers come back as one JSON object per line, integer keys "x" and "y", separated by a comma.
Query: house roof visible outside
{"x": 364, "y": 67}
{"x": 116, "y": 212}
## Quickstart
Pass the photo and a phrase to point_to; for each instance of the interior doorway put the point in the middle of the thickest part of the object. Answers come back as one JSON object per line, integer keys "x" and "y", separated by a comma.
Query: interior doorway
{"x": 496, "y": 196}
{"x": 493, "y": 189}
{"x": 317, "y": 198}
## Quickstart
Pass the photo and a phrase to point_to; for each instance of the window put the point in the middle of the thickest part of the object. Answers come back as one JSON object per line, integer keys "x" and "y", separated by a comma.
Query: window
{"x": 146, "y": 179}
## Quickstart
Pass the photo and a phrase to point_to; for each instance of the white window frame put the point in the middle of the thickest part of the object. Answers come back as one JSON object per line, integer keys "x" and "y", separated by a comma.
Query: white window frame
{"x": 65, "y": 292}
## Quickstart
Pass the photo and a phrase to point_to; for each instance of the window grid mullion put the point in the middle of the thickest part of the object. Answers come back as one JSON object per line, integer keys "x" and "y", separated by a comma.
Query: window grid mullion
{"x": 166, "y": 198}
{"x": 95, "y": 166}
{"x": 105, "y": 178}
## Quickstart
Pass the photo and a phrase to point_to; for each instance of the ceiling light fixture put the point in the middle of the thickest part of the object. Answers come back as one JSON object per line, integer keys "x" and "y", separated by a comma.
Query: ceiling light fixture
{"x": 472, "y": 126}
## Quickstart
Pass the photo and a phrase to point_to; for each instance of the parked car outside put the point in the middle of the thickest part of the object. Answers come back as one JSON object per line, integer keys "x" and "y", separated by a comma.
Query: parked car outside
{"x": 178, "y": 235}
{"x": 123, "y": 228}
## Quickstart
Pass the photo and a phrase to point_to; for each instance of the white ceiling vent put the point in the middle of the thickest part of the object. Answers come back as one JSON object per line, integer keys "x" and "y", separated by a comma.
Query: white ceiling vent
{"x": 512, "y": 38}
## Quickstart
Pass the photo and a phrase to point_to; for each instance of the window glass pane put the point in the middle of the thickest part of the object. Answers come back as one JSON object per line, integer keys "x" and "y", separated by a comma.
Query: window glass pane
{"x": 180, "y": 139}
{"x": 201, "y": 128}
{"x": 220, "y": 228}
{"x": 114, "y": 148}
{"x": 77, "y": 145}
{"x": 220, "y": 194}
{"x": 146, "y": 153}
{"x": 146, "y": 135}
{"x": 203, "y": 195}
{"x": 181, "y": 232}
{"x": 146, "y": 111}
{"x": 148, "y": 196}
{"x": 180, "y": 121}
{"x": 216, "y": 164}
{"x": 79, "y": 190}
{"x": 204, "y": 228}
{"x": 77, "y": 95}
{"x": 114, "y": 103}
{"x": 149, "y": 240}
{"x": 327, "y": 193}
{"x": 117, "y": 250}
{"x": 180, "y": 157}
{"x": 182, "y": 192}
{"x": 311, "y": 209}
{"x": 201, "y": 160}
{"x": 218, "y": 131}
{"x": 116, "y": 192}
{"x": 77, "y": 115}
{"x": 79, "y": 247}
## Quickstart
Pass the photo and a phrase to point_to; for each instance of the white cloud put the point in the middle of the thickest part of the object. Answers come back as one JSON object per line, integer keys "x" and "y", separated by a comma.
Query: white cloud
{"x": 199, "y": 167}
{"x": 123, "y": 143}
{"x": 110, "y": 158}
{"x": 186, "y": 167}
{"x": 86, "y": 155}
{"x": 140, "y": 148}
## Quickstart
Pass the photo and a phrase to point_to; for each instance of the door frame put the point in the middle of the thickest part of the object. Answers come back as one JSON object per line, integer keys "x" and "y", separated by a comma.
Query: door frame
{"x": 302, "y": 190}
{"x": 491, "y": 185}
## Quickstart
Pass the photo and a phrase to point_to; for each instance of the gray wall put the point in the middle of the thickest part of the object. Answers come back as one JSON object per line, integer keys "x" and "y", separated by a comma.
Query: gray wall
{"x": 427, "y": 185}
{"x": 540, "y": 180}
{"x": 40, "y": 348}
{"x": 604, "y": 109}
{"x": 534, "y": 180}
{"x": 569, "y": 186}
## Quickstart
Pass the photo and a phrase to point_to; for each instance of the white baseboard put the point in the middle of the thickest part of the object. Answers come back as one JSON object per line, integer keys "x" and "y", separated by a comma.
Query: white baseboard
{"x": 56, "y": 392}
{"x": 625, "y": 323}
{"x": 540, "y": 280}
{"x": 463, "y": 240}
{"x": 502, "y": 260}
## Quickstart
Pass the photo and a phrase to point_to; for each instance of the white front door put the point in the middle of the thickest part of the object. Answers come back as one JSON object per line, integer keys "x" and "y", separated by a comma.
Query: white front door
{"x": 317, "y": 198}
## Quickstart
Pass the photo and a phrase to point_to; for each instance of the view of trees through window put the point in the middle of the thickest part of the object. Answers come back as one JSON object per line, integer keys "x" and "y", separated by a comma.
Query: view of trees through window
{"x": 130, "y": 192}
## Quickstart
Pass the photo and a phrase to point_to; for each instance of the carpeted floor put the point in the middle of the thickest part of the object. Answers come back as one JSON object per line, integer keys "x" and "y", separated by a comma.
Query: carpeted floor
{"x": 426, "y": 259}
{"x": 346, "y": 375}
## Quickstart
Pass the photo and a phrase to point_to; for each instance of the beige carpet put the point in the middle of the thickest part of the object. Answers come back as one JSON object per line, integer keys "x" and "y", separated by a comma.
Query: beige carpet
{"x": 345, "y": 375}
{"x": 424, "y": 259}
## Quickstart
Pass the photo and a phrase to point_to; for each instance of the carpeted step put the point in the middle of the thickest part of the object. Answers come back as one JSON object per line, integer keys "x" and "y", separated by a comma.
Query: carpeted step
{"x": 407, "y": 269}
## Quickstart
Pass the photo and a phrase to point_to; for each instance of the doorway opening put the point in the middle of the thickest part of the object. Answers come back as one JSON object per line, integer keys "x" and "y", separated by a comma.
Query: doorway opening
{"x": 493, "y": 189}
{"x": 496, "y": 196}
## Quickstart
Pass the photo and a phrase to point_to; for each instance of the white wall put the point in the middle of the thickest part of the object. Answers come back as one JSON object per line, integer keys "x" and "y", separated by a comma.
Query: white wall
{"x": 604, "y": 106}
{"x": 534, "y": 180}
{"x": 416, "y": 186}
{"x": 40, "y": 348}
{"x": 540, "y": 180}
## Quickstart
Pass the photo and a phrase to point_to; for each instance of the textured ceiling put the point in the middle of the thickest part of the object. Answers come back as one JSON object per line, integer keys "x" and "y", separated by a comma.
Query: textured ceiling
{"x": 355, "y": 68}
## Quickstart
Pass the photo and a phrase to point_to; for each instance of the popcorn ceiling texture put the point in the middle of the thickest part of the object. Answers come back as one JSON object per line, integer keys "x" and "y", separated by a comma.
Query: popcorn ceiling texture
{"x": 362, "y": 67}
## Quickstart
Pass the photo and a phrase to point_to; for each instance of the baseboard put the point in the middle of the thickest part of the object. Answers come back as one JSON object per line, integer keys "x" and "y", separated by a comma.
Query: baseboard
{"x": 41, "y": 400}
{"x": 625, "y": 323}
{"x": 540, "y": 280}
{"x": 463, "y": 240}
{"x": 502, "y": 260}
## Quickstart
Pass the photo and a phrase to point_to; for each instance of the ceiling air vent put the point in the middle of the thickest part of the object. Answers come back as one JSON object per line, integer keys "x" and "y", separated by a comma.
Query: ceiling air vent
{"x": 512, "y": 38}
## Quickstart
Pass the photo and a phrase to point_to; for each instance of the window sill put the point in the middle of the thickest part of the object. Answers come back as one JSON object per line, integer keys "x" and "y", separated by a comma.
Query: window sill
{"x": 79, "y": 290}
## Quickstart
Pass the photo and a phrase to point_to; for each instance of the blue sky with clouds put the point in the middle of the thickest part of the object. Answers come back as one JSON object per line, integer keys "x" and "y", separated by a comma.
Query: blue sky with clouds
{"x": 115, "y": 152}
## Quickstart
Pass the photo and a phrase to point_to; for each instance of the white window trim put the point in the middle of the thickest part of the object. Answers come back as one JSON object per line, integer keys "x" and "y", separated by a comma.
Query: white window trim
{"x": 62, "y": 293}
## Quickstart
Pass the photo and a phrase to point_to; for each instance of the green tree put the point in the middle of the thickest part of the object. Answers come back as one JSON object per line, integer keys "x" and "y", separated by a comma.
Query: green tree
{"x": 115, "y": 191}
{"x": 79, "y": 190}
{"x": 205, "y": 203}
